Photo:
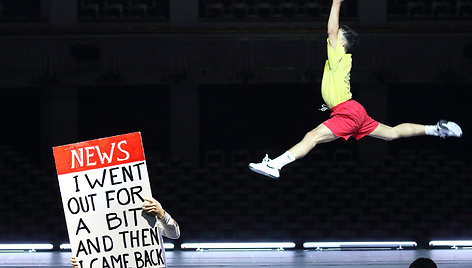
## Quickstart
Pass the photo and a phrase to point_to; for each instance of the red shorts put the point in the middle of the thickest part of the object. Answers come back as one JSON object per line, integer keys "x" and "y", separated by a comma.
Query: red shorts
{"x": 350, "y": 119}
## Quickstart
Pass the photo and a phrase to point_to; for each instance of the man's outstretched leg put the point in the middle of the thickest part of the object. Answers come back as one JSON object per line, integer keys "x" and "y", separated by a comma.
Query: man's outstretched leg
{"x": 271, "y": 168}
{"x": 322, "y": 134}
{"x": 442, "y": 129}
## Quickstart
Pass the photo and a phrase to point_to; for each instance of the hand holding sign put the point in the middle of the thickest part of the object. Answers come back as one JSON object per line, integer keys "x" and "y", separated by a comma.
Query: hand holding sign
{"x": 74, "y": 262}
{"x": 153, "y": 207}
{"x": 102, "y": 184}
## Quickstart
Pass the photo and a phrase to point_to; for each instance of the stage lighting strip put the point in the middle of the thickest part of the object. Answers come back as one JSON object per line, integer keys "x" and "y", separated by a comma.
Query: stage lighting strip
{"x": 451, "y": 243}
{"x": 166, "y": 246}
{"x": 238, "y": 246}
{"x": 374, "y": 245}
{"x": 264, "y": 245}
{"x": 23, "y": 247}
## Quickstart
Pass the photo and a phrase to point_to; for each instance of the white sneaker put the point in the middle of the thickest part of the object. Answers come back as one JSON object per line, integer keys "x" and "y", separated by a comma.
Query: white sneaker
{"x": 264, "y": 168}
{"x": 449, "y": 129}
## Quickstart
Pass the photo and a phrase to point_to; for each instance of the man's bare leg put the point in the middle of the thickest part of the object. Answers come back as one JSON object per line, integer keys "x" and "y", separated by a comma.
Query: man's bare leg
{"x": 320, "y": 134}
{"x": 404, "y": 130}
{"x": 271, "y": 168}
{"x": 443, "y": 129}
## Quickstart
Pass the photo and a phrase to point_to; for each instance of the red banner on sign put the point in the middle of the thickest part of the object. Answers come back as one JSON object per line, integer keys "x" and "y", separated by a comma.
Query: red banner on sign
{"x": 99, "y": 153}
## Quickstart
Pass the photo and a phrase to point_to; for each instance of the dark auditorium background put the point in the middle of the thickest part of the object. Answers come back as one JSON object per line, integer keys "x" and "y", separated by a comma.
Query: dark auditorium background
{"x": 215, "y": 84}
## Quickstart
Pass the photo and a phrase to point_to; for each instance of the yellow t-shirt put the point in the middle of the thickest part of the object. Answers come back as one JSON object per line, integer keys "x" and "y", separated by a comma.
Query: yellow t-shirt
{"x": 336, "y": 83}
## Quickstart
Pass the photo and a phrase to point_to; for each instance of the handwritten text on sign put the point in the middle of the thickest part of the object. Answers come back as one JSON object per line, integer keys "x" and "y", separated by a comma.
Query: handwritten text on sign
{"x": 103, "y": 184}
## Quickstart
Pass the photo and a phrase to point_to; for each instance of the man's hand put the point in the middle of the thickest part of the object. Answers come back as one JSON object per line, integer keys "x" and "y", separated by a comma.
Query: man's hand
{"x": 74, "y": 262}
{"x": 152, "y": 207}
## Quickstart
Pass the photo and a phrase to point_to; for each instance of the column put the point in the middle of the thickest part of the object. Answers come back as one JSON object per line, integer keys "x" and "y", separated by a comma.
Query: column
{"x": 184, "y": 121}
{"x": 372, "y": 13}
{"x": 184, "y": 13}
{"x": 374, "y": 97}
{"x": 59, "y": 12}
{"x": 59, "y": 119}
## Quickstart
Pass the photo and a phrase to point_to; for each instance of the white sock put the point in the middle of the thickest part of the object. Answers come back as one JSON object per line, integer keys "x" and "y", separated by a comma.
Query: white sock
{"x": 431, "y": 130}
{"x": 282, "y": 160}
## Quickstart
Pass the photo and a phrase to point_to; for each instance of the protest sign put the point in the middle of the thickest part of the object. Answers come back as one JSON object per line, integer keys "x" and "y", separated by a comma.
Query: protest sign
{"x": 103, "y": 184}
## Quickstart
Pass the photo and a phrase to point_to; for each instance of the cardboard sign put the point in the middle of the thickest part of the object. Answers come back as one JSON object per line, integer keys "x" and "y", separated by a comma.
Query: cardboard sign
{"x": 103, "y": 184}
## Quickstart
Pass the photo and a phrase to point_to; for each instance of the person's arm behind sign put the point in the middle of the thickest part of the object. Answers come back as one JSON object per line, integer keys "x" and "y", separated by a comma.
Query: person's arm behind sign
{"x": 167, "y": 226}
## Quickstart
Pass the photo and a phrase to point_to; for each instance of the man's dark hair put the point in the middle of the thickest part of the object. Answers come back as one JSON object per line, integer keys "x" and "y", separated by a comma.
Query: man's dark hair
{"x": 351, "y": 36}
{"x": 423, "y": 263}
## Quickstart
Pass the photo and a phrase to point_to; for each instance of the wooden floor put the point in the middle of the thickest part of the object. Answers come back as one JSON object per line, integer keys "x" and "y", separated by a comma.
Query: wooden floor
{"x": 280, "y": 259}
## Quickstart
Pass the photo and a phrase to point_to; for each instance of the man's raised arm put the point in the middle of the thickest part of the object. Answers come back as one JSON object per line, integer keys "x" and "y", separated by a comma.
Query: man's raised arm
{"x": 333, "y": 22}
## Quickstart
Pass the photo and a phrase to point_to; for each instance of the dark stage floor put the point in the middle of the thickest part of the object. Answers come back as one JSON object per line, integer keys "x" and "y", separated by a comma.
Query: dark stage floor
{"x": 288, "y": 258}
